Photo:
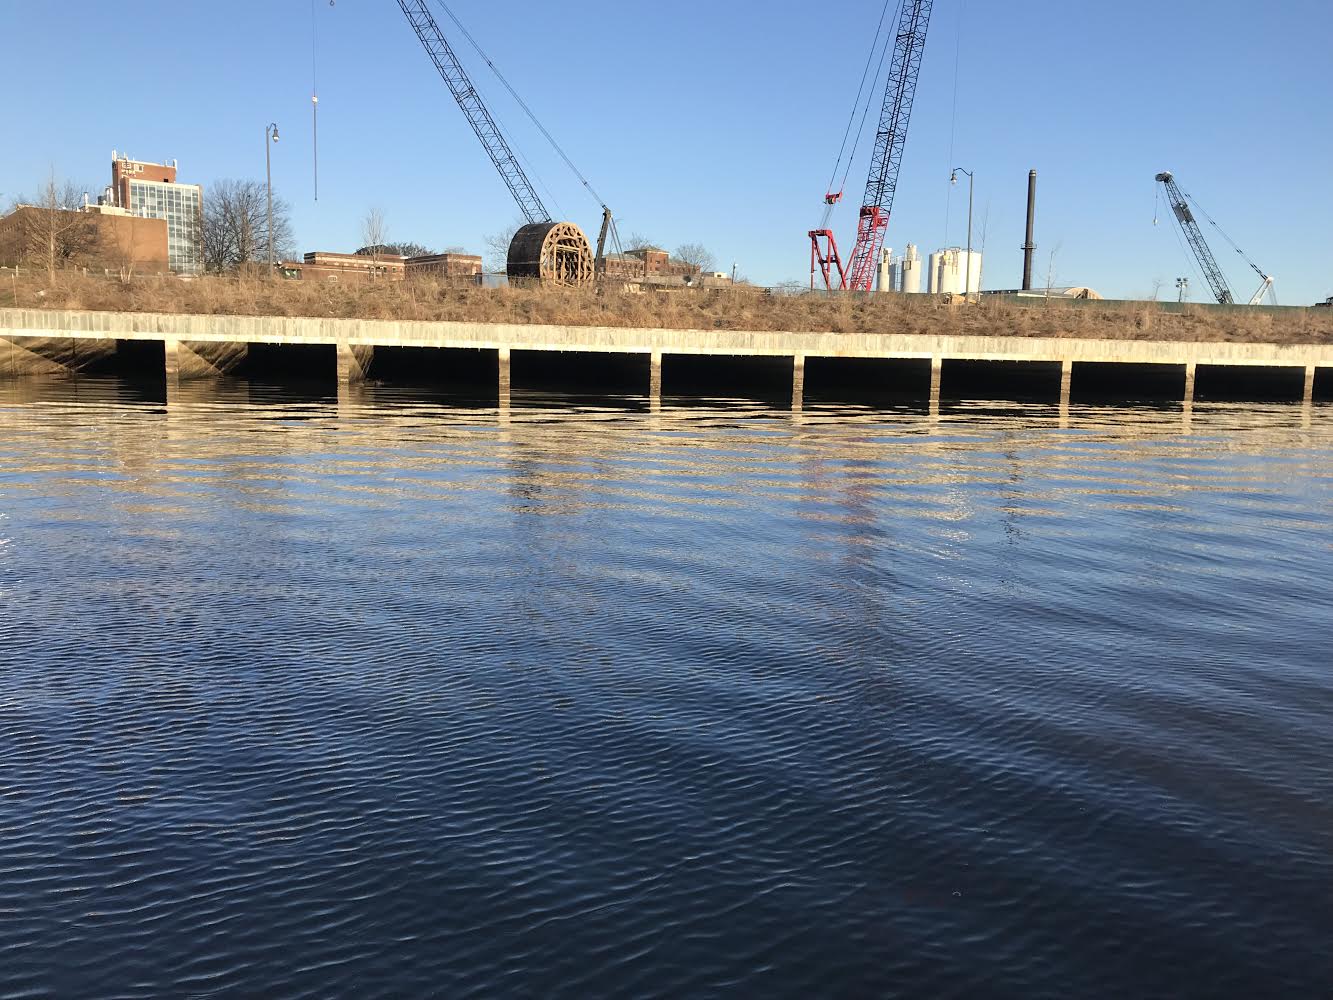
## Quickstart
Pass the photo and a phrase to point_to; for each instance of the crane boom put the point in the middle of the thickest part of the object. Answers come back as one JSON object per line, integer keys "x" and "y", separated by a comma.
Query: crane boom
{"x": 460, "y": 85}
{"x": 890, "y": 138}
{"x": 1194, "y": 237}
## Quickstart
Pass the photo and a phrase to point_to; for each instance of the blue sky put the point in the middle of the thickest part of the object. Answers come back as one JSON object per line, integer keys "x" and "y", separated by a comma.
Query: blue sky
{"x": 719, "y": 124}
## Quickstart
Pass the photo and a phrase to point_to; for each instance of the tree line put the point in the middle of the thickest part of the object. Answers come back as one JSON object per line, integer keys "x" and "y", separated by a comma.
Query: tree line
{"x": 55, "y": 233}
{"x": 234, "y": 233}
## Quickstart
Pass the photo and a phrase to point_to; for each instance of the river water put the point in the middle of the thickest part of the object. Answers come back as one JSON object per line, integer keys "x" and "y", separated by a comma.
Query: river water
{"x": 388, "y": 696}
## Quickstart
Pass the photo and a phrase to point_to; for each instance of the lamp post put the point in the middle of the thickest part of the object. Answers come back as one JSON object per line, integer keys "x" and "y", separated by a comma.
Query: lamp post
{"x": 270, "y": 137}
{"x": 953, "y": 179}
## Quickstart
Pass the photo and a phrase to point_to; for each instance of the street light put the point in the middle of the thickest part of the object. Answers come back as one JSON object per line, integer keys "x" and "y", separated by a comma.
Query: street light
{"x": 270, "y": 136}
{"x": 953, "y": 179}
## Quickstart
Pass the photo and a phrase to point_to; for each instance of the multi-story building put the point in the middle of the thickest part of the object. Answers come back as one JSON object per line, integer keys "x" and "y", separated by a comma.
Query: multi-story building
{"x": 150, "y": 191}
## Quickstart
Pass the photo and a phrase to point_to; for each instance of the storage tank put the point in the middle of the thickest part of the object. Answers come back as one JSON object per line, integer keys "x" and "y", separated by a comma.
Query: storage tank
{"x": 885, "y": 282}
{"x": 948, "y": 275}
{"x": 909, "y": 271}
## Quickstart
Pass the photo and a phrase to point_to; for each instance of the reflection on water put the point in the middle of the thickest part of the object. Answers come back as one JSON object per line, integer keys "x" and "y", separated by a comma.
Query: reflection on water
{"x": 385, "y": 695}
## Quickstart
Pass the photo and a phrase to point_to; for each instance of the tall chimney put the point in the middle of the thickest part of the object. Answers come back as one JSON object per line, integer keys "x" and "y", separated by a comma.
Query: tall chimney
{"x": 1029, "y": 246}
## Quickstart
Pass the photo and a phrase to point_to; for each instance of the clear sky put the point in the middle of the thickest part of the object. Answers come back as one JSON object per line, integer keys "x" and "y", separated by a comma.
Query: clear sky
{"x": 719, "y": 123}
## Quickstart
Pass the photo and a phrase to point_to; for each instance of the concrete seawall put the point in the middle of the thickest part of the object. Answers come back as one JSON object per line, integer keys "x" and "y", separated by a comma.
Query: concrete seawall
{"x": 193, "y": 348}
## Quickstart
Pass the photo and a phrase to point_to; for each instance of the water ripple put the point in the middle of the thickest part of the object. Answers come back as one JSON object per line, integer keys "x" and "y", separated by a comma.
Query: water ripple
{"x": 383, "y": 697}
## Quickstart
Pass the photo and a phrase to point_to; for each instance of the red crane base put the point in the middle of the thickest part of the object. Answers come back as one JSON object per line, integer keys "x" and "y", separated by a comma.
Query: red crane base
{"x": 870, "y": 231}
{"x": 825, "y": 259}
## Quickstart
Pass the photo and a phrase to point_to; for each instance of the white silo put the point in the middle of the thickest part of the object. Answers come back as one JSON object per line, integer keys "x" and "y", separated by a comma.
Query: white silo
{"x": 909, "y": 271}
{"x": 885, "y": 282}
{"x": 947, "y": 274}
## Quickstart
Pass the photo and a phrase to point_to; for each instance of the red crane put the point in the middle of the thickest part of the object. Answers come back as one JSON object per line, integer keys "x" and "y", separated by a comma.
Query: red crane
{"x": 909, "y": 44}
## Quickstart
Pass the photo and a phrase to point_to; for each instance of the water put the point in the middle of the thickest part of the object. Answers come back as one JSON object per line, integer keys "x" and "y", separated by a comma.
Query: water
{"x": 389, "y": 697}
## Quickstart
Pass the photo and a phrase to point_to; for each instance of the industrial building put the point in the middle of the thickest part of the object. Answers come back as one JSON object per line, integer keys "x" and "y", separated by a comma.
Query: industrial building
{"x": 150, "y": 191}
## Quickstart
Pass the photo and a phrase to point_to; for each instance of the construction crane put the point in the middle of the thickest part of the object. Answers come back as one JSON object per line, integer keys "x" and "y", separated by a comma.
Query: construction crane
{"x": 545, "y": 250}
{"x": 909, "y": 45}
{"x": 1212, "y": 271}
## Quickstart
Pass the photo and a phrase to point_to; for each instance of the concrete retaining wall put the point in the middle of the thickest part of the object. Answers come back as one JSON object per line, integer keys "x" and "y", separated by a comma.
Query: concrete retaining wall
{"x": 284, "y": 330}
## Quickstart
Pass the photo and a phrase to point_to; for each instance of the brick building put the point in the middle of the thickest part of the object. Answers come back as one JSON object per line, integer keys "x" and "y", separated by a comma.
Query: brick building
{"x": 351, "y": 267}
{"x": 651, "y": 265}
{"x": 151, "y": 191}
{"x": 98, "y": 237}
{"x": 463, "y": 266}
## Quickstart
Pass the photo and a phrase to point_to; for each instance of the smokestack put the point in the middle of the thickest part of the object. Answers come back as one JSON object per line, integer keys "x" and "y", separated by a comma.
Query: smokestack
{"x": 1029, "y": 246}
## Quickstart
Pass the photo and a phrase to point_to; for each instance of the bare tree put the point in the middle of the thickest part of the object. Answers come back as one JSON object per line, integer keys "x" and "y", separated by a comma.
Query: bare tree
{"x": 373, "y": 234}
{"x": 697, "y": 256}
{"x": 402, "y": 250}
{"x": 497, "y": 246}
{"x": 637, "y": 241}
{"x": 124, "y": 234}
{"x": 1050, "y": 271}
{"x": 235, "y": 225}
{"x": 52, "y": 231}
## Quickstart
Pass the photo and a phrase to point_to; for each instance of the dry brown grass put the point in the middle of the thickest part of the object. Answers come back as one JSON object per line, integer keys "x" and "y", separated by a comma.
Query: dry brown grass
{"x": 725, "y": 309}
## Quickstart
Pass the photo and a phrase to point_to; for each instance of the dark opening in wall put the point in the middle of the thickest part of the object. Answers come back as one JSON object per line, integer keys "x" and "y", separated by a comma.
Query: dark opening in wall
{"x": 588, "y": 373}
{"x": 768, "y": 379}
{"x": 136, "y": 360}
{"x": 1008, "y": 380}
{"x": 465, "y": 370}
{"x": 1223, "y": 383}
{"x": 890, "y": 381}
{"x": 290, "y": 363}
{"x": 1323, "y": 385}
{"x": 1127, "y": 383}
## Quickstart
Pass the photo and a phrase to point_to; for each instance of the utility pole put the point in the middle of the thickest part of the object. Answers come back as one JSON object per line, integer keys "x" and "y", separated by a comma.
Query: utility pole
{"x": 1183, "y": 284}
{"x": 270, "y": 137}
{"x": 953, "y": 179}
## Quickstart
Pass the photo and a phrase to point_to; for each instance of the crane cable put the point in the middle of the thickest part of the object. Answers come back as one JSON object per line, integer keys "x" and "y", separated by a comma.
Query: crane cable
{"x": 865, "y": 111}
{"x": 521, "y": 103}
{"x": 314, "y": 91}
{"x": 856, "y": 105}
{"x": 953, "y": 116}
{"x": 1185, "y": 251}
{"x": 1199, "y": 208}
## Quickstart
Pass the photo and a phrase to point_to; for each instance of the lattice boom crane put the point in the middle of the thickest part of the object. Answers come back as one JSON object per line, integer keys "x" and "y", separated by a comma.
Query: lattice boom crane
{"x": 909, "y": 46}
{"x": 543, "y": 250}
{"x": 460, "y": 85}
{"x": 1212, "y": 271}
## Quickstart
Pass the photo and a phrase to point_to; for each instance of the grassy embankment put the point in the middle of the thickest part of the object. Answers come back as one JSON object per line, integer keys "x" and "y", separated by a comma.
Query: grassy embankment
{"x": 685, "y": 309}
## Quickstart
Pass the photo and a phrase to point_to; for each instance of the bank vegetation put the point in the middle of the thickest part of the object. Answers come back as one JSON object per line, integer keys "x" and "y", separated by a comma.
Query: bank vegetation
{"x": 721, "y": 308}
